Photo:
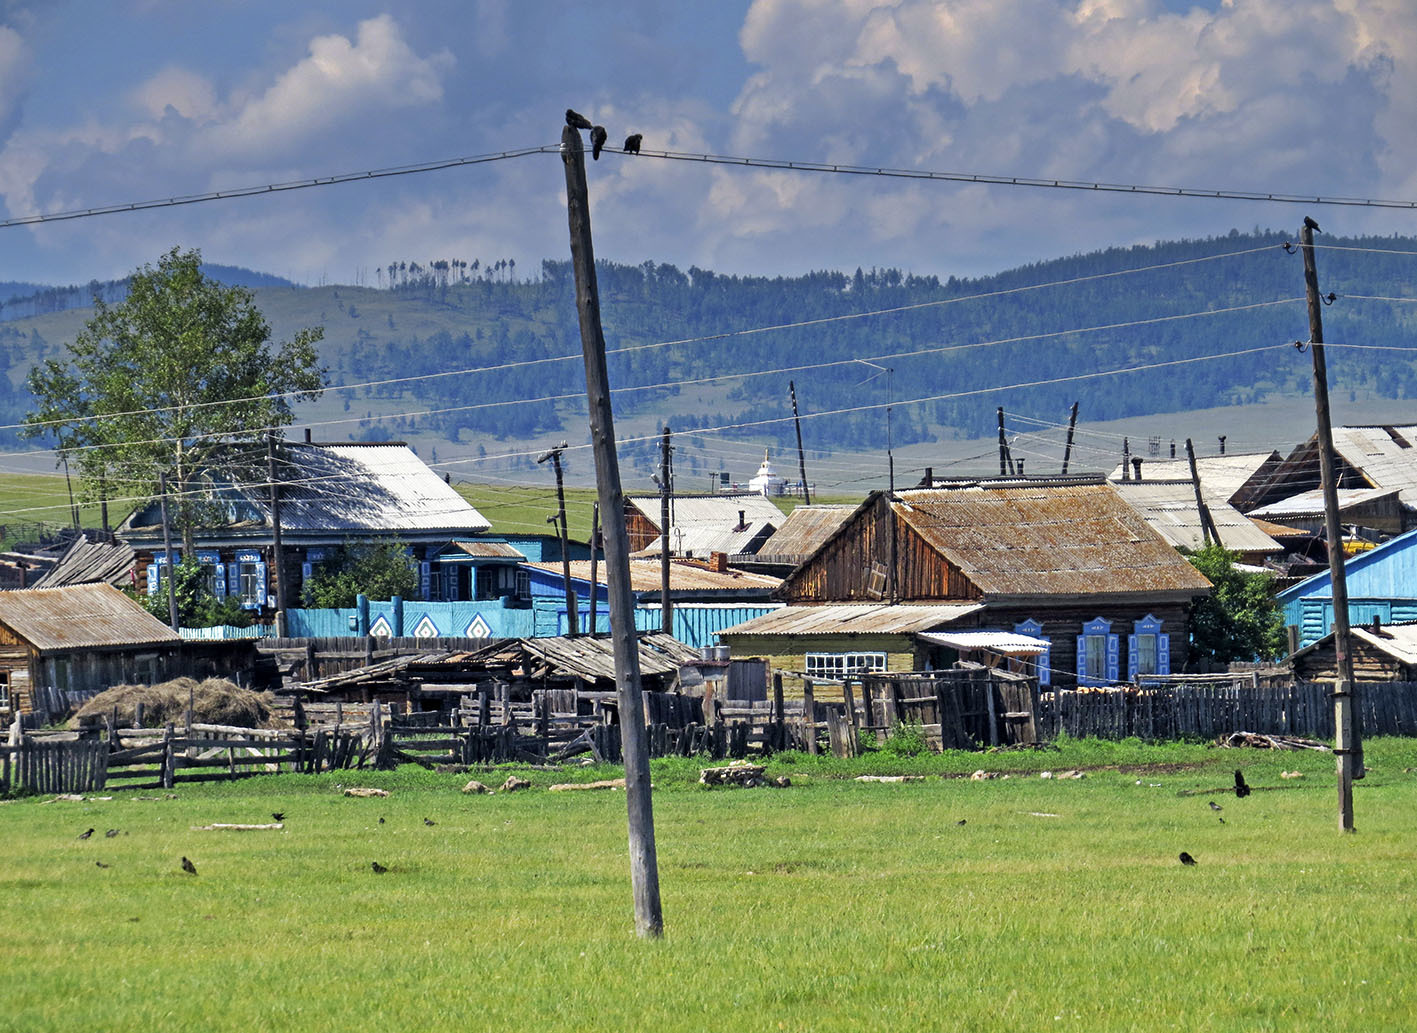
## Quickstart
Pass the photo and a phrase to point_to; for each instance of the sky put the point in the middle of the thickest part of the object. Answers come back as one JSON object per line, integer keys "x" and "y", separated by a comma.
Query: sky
{"x": 111, "y": 101}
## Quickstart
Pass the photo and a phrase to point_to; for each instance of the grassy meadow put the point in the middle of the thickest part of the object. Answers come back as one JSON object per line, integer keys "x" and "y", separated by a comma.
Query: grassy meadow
{"x": 1016, "y": 903}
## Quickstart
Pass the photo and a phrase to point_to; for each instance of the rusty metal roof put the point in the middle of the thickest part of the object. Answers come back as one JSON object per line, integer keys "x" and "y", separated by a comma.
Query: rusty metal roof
{"x": 804, "y": 530}
{"x": 1047, "y": 540}
{"x": 684, "y": 576}
{"x": 854, "y": 619}
{"x": 482, "y": 550}
{"x": 92, "y": 616}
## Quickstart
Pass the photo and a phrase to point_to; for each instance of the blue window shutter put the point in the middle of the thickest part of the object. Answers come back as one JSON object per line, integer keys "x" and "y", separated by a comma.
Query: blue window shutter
{"x": 1045, "y": 667}
{"x": 1082, "y": 659}
{"x": 1132, "y": 658}
{"x": 1113, "y": 661}
{"x": 152, "y": 578}
{"x": 260, "y": 586}
{"x": 425, "y": 578}
{"x": 1163, "y": 654}
{"x": 220, "y": 569}
{"x": 233, "y": 579}
{"x": 305, "y": 569}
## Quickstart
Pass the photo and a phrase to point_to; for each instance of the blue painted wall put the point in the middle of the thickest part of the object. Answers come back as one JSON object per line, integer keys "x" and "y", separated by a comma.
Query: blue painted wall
{"x": 695, "y": 625}
{"x": 1382, "y": 583}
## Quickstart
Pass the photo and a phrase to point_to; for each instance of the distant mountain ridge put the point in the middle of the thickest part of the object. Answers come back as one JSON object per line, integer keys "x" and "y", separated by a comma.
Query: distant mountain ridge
{"x": 956, "y": 348}
{"x": 19, "y": 300}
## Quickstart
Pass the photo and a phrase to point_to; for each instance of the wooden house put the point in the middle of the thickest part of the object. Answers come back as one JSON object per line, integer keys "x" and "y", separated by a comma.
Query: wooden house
{"x": 1071, "y": 564}
{"x": 1365, "y": 457}
{"x": 81, "y": 639}
{"x": 1382, "y": 586}
{"x": 1169, "y": 506}
{"x": 330, "y": 494}
{"x": 1380, "y": 653}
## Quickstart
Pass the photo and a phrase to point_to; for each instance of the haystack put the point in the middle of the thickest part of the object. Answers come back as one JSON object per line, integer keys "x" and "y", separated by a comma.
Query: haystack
{"x": 215, "y": 701}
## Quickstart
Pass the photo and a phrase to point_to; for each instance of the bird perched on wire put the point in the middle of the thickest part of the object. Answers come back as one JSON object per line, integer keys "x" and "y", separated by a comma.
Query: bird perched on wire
{"x": 1187, "y": 859}
{"x": 84, "y": 835}
{"x": 189, "y": 867}
{"x": 379, "y": 869}
{"x": 1241, "y": 789}
{"x": 632, "y": 143}
{"x": 598, "y": 136}
{"x": 1311, "y": 224}
{"x": 576, "y": 120}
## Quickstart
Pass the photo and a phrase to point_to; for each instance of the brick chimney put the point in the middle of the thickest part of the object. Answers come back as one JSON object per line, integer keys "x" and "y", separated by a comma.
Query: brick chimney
{"x": 718, "y": 562}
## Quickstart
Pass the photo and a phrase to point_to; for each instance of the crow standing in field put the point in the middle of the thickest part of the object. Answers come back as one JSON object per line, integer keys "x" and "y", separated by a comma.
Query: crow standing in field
{"x": 278, "y": 815}
{"x": 632, "y": 143}
{"x": 1187, "y": 859}
{"x": 84, "y": 835}
{"x": 598, "y": 136}
{"x": 1215, "y": 806}
{"x": 379, "y": 869}
{"x": 100, "y": 864}
{"x": 429, "y": 821}
{"x": 1241, "y": 789}
{"x": 110, "y": 833}
{"x": 576, "y": 120}
{"x": 189, "y": 867}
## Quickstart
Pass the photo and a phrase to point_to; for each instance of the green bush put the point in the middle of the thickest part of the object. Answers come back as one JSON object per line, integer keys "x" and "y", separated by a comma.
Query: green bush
{"x": 907, "y": 739}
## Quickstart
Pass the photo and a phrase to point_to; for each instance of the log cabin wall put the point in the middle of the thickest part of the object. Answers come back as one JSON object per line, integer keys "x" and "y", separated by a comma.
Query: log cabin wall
{"x": 642, "y": 531}
{"x": 1063, "y": 624}
{"x": 1369, "y": 664}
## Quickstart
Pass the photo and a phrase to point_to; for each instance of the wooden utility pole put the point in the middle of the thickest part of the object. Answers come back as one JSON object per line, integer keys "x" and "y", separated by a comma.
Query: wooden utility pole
{"x": 1068, "y": 448}
{"x": 167, "y": 547}
{"x": 1208, "y": 529}
{"x": 73, "y": 509}
{"x": 1003, "y": 446}
{"x": 666, "y": 608}
{"x": 279, "y": 559}
{"x": 594, "y": 552}
{"x": 644, "y": 862}
{"x": 572, "y": 607}
{"x": 1347, "y": 743}
{"x": 801, "y": 459}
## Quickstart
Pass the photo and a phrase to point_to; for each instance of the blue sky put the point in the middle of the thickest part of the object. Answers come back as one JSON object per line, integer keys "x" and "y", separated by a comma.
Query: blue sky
{"x": 127, "y": 100}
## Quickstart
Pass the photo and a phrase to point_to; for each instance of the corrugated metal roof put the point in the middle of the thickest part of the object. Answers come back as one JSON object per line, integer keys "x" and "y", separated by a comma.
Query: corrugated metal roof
{"x": 1386, "y": 456}
{"x": 1170, "y": 508}
{"x": 344, "y": 490}
{"x": 370, "y": 488}
{"x": 483, "y": 550}
{"x": 1221, "y": 476}
{"x": 1005, "y": 642}
{"x": 704, "y": 541}
{"x": 1042, "y": 540}
{"x": 716, "y": 511}
{"x": 1311, "y": 503}
{"x": 79, "y": 617}
{"x": 684, "y": 575}
{"x": 804, "y": 530}
{"x": 854, "y": 619}
{"x": 87, "y": 562}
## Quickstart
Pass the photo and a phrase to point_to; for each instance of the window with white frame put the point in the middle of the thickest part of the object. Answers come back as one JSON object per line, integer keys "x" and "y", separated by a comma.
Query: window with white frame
{"x": 523, "y": 584}
{"x": 841, "y": 665}
{"x": 1148, "y": 648}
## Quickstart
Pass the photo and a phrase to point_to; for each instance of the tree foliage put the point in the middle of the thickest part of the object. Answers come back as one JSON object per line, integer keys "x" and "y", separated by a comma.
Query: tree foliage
{"x": 377, "y": 569}
{"x": 180, "y": 378}
{"x": 197, "y": 605}
{"x": 1240, "y": 619}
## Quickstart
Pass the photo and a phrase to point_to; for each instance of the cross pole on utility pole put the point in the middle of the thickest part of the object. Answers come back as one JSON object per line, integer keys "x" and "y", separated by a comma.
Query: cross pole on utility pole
{"x": 666, "y": 607}
{"x": 1347, "y": 742}
{"x": 801, "y": 458}
{"x": 572, "y": 607}
{"x": 644, "y": 863}
{"x": 1068, "y": 448}
{"x": 167, "y": 547}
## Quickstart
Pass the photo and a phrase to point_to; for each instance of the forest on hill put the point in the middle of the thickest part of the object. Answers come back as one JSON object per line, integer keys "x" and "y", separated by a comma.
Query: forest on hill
{"x": 699, "y": 349}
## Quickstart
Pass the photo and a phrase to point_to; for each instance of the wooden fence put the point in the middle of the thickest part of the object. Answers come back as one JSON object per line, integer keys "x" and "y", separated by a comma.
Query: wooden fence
{"x": 1208, "y": 710}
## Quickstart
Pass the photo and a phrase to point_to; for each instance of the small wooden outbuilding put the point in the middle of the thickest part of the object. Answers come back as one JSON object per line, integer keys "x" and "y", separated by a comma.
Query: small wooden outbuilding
{"x": 1380, "y": 653}
{"x": 79, "y": 639}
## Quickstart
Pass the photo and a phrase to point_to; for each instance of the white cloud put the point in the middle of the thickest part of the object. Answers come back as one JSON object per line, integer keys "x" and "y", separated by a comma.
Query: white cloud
{"x": 339, "y": 82}
{"x": 184, "y": 91}
{"x": 14, "y": 70}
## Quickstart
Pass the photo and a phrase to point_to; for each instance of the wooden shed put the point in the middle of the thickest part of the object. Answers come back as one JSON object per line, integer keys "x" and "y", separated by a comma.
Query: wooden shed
{"x": 1380, "y": 653}
{"x": 82, "y": 639}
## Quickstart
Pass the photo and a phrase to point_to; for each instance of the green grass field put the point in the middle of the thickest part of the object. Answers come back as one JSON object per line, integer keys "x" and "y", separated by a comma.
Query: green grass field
{"x": 1009, "y": 904}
